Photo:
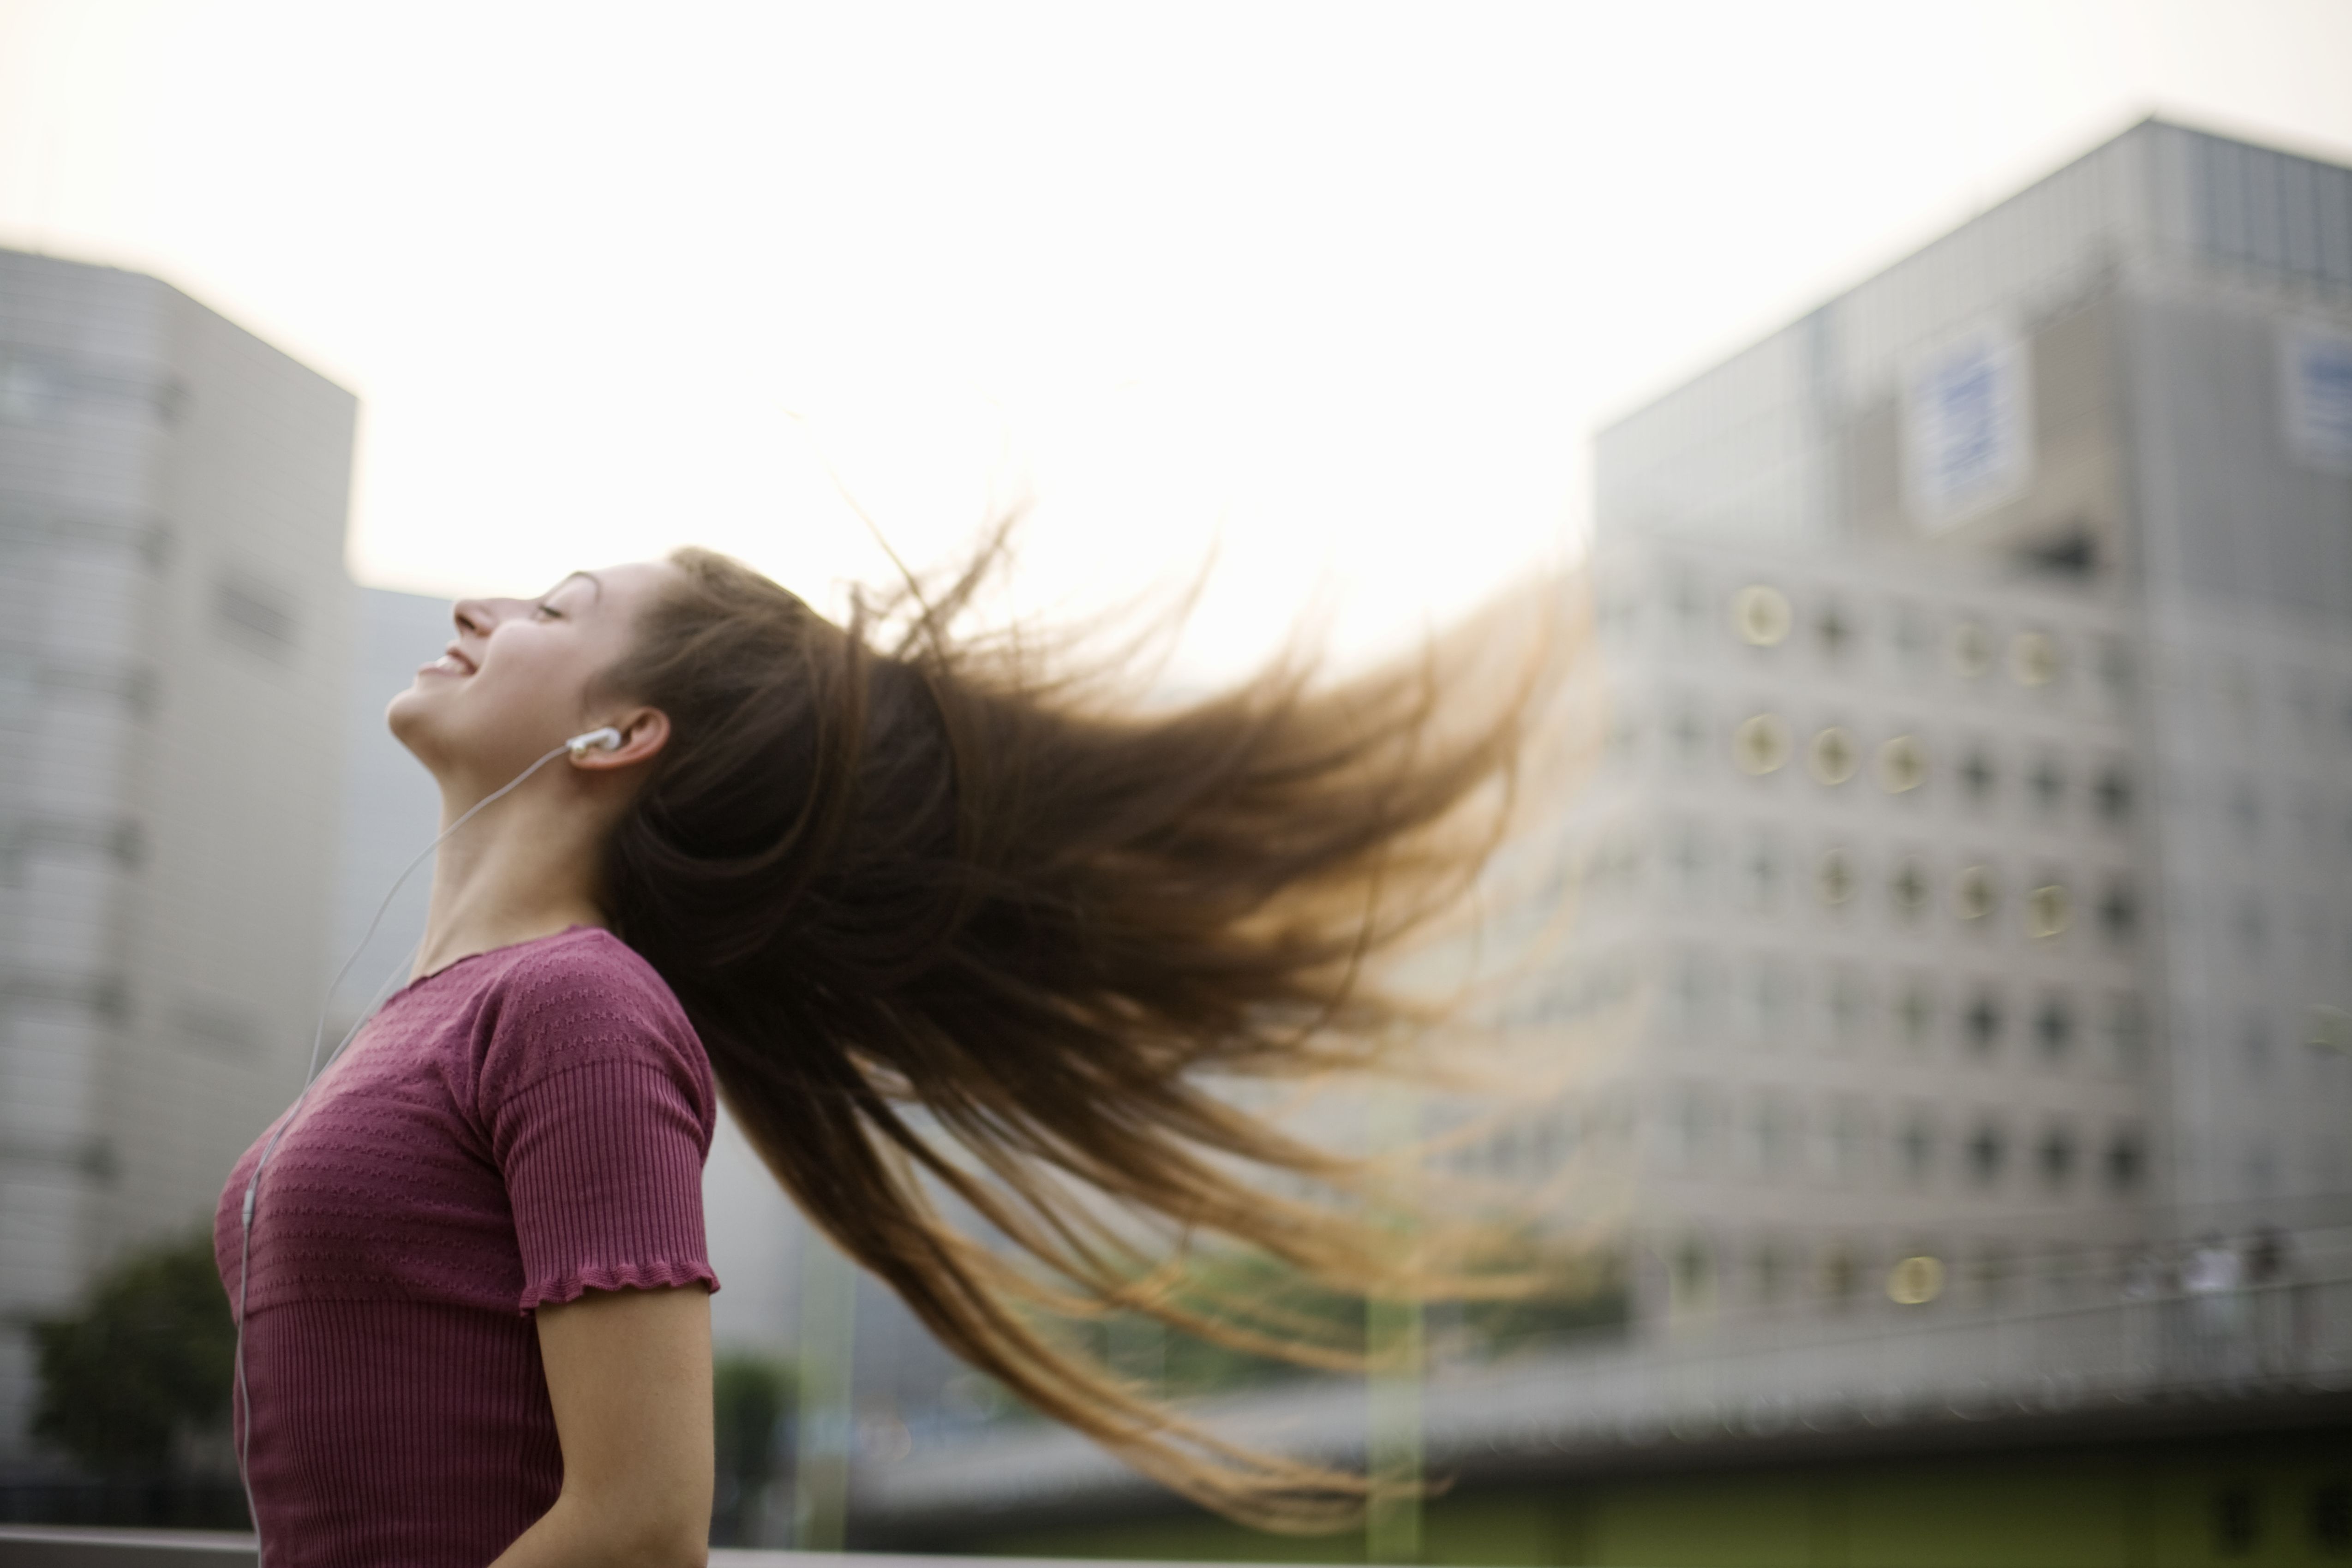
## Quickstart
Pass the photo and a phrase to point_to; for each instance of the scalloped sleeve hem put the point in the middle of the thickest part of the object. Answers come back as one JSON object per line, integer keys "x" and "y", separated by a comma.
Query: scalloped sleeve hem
{"x": 571, "y": 1287}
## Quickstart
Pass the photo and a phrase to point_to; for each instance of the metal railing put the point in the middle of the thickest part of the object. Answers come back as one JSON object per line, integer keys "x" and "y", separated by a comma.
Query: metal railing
{"x": 43, "y": 1546}
{"x": 1747, "y": 1381}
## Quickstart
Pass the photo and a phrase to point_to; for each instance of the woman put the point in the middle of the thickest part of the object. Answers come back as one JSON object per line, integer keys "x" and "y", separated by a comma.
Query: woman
{"x": 941, "y": 931}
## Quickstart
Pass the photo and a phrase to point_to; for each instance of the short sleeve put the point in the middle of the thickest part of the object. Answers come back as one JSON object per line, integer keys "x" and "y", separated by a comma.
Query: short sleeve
{"x": 599, "y": 1106}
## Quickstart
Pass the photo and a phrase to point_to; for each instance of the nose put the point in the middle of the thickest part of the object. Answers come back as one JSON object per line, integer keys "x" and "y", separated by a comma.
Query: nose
{"x": 480, "y": 617}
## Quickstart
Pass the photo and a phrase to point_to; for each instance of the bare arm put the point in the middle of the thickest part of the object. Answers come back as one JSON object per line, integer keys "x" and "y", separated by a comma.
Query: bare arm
{"x": 629, "y": 1374}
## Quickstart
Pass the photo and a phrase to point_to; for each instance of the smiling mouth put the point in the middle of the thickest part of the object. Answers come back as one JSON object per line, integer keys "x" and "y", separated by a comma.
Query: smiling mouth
{"x": 450, "y": 663}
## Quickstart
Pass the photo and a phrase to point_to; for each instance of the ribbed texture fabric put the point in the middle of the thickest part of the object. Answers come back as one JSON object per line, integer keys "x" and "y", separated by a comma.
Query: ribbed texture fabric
{"x": 524, "y": 1125}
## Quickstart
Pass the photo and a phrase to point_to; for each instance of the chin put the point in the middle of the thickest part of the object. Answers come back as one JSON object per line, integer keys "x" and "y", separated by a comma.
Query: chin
{"x": 409, "y": 718}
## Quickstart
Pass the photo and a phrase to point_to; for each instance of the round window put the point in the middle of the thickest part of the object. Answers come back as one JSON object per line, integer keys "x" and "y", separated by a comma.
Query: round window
{"x": 2033, "y": 659}
{"x": 1902, "y": 764}
{"x": 1833, "y": 756}
{"x": 2048, "y": 910}
{"x": 1761, "y": 745}
{"x": 1971, "y": 650}
{"x": 1760, "y": 615}
{"x": 1973, "y": 893}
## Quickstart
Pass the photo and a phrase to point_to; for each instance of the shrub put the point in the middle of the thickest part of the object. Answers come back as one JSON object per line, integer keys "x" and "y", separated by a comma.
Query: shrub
{"x": 147, "y": 1357}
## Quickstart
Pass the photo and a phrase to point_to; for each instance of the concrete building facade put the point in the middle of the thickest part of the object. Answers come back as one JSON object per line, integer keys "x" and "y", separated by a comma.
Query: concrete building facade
{"x": 1858, "y": 947}
{"x": 1955, "y": 1001}
{"x": 174, "y": 615}
{"x": 2118, "y": 408}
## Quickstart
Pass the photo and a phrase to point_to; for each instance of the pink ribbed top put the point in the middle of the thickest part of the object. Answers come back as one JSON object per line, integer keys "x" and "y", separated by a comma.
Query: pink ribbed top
{"x": 522, "y": 1126}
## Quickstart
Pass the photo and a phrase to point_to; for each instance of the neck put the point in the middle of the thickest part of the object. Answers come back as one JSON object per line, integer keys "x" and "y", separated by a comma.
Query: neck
{"x": 525, "y": 868}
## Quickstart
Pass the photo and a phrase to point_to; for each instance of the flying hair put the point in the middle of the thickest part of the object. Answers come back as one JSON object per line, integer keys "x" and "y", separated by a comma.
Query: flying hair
{"x": 979, "y": 943}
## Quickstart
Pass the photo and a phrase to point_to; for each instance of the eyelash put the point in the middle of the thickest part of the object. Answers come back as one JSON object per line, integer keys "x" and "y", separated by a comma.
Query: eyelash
{"x": 547, "y": 609}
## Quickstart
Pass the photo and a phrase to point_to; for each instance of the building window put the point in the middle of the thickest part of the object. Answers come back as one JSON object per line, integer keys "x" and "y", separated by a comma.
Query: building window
{"x": 2048, "y": 782}
{"x": 2048, "y": 910}
{"x": 1690, "y": 603}
{"x": 2126, "y": 1161}
{"x": 1834, "y": 878}
{"x": 1688, "y": 854}
{"x": 1843, "y": 1137}
{"x": 1983, "y": 1021}
{"x": 2119, "y": 912}
{"x": 1690, "y": 1130}
{"x": 1761, "y": 617}
{"x": 1909, "y": 886}
{"x": 1771, "y": 1136}
{"x": 1994, "y": 1269}
{"x": 2033, "y": 659}
{"x": 1691, "y": 1274}
{"x": 1840, "y": 1273}
{"x": 1770, "y": 997}
{"x": 1692, "y": 987}
{"x": 1915, "y": 1149}
{"x": 1902, "y": 764}
{"x": 1970, "y": 649}
{"x": 1833, "y": 756}
{"x": 2237, "y": 1521}
{"x": 1771, "y": 1272}
{"x": 2056, "y": 1157}
{"x": 1979, "y": 775}
{"x": 1761, "y": 744}
{"x": 1914, "y": 642}
{"x": 2331, "y": 1519}
{"x": 1974, "y": 893}
{"x": 2113, "y": 793}
{"x": 1988, "y": 1150}
{"x": 2053, "y": 1027}
{"x": 1916, "y": 1010}
{"x": 1761, "y": 870}
{"x": 1848, "y": 997}
{"x": 1835, "y": 632}
{"x": 1689, "y": 736}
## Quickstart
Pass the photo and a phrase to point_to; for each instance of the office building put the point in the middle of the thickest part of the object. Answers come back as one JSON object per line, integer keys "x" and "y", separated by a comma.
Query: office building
{"x": 1954, "y": 1010}
{"x": 2094, "y": 451}
{"x": 173, "y": 617}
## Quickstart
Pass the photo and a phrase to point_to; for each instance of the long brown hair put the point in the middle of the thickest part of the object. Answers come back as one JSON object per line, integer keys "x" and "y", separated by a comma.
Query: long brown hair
{"x": 965, "y": 934}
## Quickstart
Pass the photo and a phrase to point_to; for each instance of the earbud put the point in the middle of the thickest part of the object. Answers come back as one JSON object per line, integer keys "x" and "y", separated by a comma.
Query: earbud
{"x": 605, "y": 739}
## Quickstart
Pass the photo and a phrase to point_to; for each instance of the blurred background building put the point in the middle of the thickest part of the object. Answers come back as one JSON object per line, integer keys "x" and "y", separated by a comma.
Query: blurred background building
{"x": 1962, "y": 942}
{"x": 173, "y": 625}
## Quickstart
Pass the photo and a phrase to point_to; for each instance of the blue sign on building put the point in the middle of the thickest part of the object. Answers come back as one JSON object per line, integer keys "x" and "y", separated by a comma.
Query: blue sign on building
{"x": 1966, "y": 428}
{"x": 2317, "y": 374}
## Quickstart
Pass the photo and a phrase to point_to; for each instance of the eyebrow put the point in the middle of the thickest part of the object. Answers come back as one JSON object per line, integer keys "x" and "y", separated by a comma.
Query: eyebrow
{"x": 598, "y": 583}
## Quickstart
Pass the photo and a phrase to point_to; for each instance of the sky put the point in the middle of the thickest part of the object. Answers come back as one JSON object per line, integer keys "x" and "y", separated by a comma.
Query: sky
{"x": 1332, "y": 296}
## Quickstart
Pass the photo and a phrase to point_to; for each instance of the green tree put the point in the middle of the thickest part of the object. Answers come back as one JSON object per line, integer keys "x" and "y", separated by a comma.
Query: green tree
{"x": 149, "y": 1354}
{"x": 751, "y": 1397}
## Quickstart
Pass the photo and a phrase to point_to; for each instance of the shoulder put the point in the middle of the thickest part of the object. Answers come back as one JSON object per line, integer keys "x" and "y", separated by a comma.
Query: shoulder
{"x": 578, "y": 999}
{"x": 584, "y": 967}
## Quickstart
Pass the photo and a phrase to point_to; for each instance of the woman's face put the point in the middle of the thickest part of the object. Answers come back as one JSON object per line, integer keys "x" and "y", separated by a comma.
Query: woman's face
{"x": 521, "y": 676}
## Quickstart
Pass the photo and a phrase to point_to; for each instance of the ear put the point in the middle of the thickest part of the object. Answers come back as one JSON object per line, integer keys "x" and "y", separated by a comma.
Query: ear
{"x": 644, "y": 733}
